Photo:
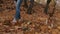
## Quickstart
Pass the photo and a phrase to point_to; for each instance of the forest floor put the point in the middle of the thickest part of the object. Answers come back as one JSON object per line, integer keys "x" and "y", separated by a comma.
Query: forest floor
{"x": 30, "y": 24}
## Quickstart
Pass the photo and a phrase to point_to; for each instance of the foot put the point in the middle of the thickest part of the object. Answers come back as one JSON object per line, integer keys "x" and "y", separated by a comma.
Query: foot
{"x": 14, "y": 21}
{"x": 51, "y": 26}
{"x": 20, "y": 20}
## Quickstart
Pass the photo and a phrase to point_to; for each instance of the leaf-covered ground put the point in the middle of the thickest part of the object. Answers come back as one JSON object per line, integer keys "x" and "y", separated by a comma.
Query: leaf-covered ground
{"x": 30, "y": 24}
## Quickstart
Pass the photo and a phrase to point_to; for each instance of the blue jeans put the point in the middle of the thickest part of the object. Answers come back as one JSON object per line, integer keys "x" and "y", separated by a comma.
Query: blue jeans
{"x": 18, "y": 5}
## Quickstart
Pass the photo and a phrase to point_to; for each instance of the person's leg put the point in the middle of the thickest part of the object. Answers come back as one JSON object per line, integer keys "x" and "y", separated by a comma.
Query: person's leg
{"x": 47, "y": 6}
{"x": 25, "y": 4}
{"x": 46, "y": 9}
{"x": 17, "y": 16}
{"x": 30, "y": 6}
